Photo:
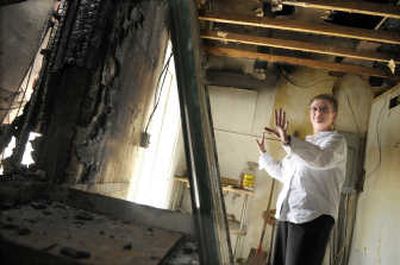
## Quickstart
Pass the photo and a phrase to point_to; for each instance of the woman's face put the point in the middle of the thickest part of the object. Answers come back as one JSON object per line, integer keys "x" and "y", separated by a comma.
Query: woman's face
{"x": 322, "y": 115}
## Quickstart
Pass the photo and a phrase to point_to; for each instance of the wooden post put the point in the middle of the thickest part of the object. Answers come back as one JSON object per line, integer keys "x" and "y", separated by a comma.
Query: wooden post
{"x": 206, "y": 193}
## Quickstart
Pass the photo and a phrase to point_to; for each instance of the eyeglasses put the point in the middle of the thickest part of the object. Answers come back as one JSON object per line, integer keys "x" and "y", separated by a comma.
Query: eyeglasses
{"x": 323, "y": 109}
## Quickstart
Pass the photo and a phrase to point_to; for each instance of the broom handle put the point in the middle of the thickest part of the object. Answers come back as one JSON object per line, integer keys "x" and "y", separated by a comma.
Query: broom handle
{"x": 265, "y": 219}
{"x": 271, "y": 244}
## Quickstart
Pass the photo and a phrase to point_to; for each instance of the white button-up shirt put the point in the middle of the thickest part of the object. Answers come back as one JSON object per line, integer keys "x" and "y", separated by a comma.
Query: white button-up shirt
{"x": 312, "y": 173}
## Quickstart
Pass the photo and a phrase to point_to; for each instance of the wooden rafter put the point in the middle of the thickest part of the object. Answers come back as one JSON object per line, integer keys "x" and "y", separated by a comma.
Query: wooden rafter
{"x": 329, "y": 66}
{"x": 295, "y": 45}
{"x": 237, "y": 79}
{"x": 364, "y": 7}
{"x": 304, "y": 27}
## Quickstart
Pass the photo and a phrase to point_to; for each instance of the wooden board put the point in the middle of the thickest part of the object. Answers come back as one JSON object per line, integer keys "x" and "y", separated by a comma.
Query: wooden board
{"x": 304, "y": 27}
{"x": 238, "y": 80}
{"x": 295, "y": 45}
{"x": 227, "y": 188}
{"x": 329, "y": 66}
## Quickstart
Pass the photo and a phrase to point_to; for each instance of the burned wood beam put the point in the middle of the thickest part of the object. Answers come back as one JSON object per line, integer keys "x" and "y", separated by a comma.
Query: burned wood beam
{"x": 304, "y": 27}
{"x": 364, "y": 7}
{"x": 238, "y": 80}
{"x": 328, "y": 66}
{"x": 99, "y": 84}
{"x": 296, "y": 46}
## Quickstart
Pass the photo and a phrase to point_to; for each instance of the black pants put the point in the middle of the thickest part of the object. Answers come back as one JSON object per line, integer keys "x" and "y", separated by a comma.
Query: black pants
{"x": 302, "y": 244}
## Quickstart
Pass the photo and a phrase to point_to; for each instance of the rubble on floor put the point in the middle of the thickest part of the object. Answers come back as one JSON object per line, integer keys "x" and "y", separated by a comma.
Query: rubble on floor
{"x": 51, "y": 232}
{"x": 186, "y": 253}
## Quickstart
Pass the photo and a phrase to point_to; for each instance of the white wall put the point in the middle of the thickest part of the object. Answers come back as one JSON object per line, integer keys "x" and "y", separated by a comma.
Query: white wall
{"x": 377, "y": 231}
{"x": 239, "y": 116}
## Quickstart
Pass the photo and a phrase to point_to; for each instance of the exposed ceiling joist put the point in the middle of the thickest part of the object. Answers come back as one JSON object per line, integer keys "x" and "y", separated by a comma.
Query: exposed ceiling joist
{"x": 322, "y": 65}
{"x": 366, "y": 8}
{"x": 295, "y": 46}
{"x": 304, "y": 27}
{"x": 237, "y": 80}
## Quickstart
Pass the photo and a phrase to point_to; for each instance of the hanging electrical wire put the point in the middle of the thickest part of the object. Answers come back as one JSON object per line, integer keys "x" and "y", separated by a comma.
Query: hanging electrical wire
{"x": 159, "y": 88}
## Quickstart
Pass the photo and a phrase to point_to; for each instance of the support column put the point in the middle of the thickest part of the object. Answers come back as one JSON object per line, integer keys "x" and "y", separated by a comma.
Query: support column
{"x": 206, "y": 193}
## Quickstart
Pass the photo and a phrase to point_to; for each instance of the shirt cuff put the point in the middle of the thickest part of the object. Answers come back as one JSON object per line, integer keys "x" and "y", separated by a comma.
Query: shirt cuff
{"x": 289, "y": 147}
{"x": 263, "y": 160}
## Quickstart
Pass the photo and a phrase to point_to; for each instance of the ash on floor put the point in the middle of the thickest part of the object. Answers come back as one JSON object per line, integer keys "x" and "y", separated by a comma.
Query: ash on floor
{"x": 185, "y": 253}
{"x": 77, "y": 236}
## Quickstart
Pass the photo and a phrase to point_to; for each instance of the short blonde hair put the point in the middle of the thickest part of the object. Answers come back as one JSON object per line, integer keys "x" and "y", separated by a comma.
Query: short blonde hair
{"x": 329, "y": 97}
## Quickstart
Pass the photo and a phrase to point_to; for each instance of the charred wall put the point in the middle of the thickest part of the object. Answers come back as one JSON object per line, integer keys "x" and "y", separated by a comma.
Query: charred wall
{"x": 105, "y": 60}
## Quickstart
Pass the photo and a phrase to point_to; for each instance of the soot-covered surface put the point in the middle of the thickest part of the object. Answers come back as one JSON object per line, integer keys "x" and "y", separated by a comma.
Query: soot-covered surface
{"x": 49, "y": 232}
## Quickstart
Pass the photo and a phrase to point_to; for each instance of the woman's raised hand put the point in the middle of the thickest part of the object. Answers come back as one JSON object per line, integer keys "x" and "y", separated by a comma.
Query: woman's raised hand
{"x": 261, "y": 143}
{"x": 281, "y": 126}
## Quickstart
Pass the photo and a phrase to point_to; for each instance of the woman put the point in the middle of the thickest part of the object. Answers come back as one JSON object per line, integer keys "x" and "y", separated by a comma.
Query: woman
{"x": 312, "y": 174}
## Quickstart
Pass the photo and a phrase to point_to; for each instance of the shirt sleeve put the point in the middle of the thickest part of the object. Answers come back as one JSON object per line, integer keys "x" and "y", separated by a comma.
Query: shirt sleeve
{"x": 327, "y": 155}
{"x": 272, "y": 166}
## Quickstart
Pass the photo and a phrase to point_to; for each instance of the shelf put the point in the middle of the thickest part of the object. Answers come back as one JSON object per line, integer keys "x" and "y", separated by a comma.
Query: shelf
{"x": 226, "y": 186}
{"x": 236, "y": 227}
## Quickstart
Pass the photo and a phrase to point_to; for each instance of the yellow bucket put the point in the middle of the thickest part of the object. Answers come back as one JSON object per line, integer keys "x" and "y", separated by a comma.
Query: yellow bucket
{"x": 248, "y": 181}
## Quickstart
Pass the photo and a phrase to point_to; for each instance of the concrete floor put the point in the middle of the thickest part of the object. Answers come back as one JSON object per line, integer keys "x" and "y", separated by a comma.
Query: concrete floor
{"x": 72, "y": 234}
{"x": 61, "y": 226}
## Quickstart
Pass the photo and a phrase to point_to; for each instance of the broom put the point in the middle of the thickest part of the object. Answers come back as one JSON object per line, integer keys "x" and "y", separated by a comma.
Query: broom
{"x": 258, "y": 256}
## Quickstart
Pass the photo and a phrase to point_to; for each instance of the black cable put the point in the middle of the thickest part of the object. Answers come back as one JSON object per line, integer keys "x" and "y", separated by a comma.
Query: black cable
{"x": 165, "y": 68}
{"x": 159, "y": 88}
